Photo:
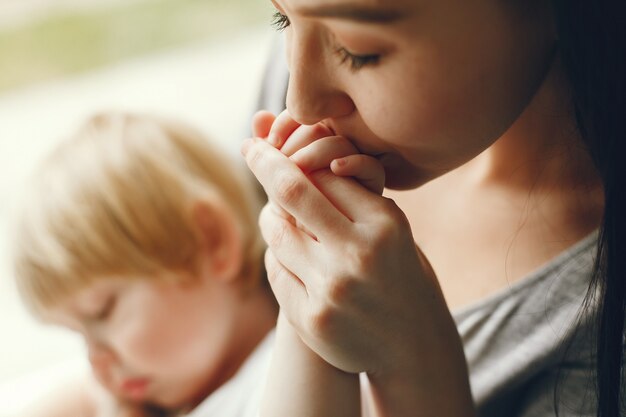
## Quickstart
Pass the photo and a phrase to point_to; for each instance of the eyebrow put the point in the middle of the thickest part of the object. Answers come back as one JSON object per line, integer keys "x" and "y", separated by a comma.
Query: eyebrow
{"x": 355, "y": 13}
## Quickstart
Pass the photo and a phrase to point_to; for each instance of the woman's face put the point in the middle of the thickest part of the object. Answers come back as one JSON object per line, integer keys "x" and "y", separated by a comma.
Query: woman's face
{"x": 156, "y": 342}
{"x": 425, "y": 85}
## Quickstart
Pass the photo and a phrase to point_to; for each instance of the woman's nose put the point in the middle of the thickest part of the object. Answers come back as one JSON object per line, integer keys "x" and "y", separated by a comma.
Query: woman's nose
{"x": 313, "y": 94}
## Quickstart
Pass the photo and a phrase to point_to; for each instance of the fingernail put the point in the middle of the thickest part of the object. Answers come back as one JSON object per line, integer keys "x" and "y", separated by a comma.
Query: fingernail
{"x": 340, "y": 162}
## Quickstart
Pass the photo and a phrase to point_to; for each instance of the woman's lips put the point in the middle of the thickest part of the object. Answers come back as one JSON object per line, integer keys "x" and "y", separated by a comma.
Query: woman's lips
{"x": 360, "y": 145}
{"x": 134, "y": 388}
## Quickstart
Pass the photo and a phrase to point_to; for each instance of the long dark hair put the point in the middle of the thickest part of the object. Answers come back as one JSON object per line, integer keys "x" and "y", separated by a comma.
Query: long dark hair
{"x": 592, "y": 45}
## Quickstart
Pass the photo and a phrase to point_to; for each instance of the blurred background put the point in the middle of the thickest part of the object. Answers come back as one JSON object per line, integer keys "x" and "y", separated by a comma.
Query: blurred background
{"x": 61, "y": 60}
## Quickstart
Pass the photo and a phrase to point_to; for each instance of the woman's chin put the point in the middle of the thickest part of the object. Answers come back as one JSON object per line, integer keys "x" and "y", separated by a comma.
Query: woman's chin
{"x": 401, "y": 175}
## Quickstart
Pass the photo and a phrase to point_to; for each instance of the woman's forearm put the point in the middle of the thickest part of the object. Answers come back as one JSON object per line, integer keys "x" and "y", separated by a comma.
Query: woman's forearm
{"x": 438, "y": 386}
{"x": 302, "y": 384}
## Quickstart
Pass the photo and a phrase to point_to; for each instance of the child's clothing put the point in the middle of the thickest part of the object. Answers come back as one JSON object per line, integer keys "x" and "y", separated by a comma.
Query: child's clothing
{"x": 514, "y": 341}
{"x": 241, "y": 395}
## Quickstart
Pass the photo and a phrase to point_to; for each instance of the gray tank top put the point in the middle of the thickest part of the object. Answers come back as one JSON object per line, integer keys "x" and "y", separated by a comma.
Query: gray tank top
{"x": 515, "y": 342}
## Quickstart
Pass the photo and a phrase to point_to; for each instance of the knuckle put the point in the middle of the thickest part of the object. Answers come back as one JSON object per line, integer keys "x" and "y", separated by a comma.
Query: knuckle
{"x": 289, "y": 190}
{"x": 341, "y": 291}
{"x": 386, "y": 232}
{"x": 389, "y": 214}
{"x": 254, "y": 157}
{"x": 322, "y": 321}
{"x": 320, "y": 131}
{"x": 388, "y": 207}
{"x": 278, "y": 235}
{"x": 360, "y": 260}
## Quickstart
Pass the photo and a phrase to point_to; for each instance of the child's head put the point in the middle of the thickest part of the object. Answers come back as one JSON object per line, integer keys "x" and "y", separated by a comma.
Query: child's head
{"x": 142, "y": 236}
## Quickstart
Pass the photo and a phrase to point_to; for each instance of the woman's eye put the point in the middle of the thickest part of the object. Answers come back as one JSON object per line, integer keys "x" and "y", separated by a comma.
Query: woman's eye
{"x": 357, "y": 62}
{"x": 280, "y": 21}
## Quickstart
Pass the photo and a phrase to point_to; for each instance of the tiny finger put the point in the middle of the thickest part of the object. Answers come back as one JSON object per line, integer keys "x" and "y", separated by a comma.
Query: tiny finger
{"x": 304, "y": 136}
{"x": 283, "y": 127}
{"x": 365, "y": 169}
{"x": 320, "y": 154}
{"x": 262, "y": 123}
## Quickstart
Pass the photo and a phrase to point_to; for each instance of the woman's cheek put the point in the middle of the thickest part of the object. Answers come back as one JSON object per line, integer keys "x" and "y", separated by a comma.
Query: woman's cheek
{"x": 393, "y": 122}
{"x": 397, "y": 107}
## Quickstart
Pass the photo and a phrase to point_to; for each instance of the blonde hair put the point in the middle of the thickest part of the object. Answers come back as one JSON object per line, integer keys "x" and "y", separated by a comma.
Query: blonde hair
{"x": 116, "y": 200}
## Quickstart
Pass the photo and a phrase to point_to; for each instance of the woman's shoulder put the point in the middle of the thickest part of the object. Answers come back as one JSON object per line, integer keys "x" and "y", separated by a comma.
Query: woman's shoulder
{"x": 519, "y": 342}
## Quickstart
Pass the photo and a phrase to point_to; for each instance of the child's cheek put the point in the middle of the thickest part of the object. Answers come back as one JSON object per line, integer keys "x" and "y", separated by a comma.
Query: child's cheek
{"x": 102, "y": 373}
{"x": 138, "y": 345}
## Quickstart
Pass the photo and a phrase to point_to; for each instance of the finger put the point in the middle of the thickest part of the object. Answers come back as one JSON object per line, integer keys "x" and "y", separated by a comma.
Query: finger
{"x": 356, "y": 202}
{"x": 279, "y": 211}
{"x": 288, "y": 217}
{"x": 291, "y": 245}
{"x": 322, "y": 152}
{"x": 262, "y": 123}
{"x": 290, "y": 188}
{"x": 287, "y": 288}
{"x": 282, "y": 128}
{"x": 304, "y": 136}
{"x": 368, "y": 171}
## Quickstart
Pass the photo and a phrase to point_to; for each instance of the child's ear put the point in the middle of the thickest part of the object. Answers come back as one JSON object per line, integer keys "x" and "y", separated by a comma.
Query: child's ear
{"x": 220, "y": 244}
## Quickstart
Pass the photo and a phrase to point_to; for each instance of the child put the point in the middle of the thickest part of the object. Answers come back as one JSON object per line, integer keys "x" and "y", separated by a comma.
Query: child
{"x": 142, "y": 237}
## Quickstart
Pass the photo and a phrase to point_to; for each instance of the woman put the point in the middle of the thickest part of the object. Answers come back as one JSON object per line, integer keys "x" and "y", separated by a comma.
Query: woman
{"x": 508, "y": 117}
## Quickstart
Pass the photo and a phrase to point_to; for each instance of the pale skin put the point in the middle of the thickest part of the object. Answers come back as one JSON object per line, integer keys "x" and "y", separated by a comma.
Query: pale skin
{"x": 159, "y": 345}
{"x": 465, "y": 100}
{"x": 313, "y": 148}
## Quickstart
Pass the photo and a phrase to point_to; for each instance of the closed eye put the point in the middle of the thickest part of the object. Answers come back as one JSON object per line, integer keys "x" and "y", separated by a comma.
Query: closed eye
{"x": 106, "y": 309}
{"x": 280, "y": 21}
{"x": 357, "y": 61}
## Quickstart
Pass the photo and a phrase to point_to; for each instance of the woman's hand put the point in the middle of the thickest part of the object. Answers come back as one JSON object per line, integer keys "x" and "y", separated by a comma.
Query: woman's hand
{"x": 336, "y": 205}
{"x": 357, "y": 290}
{"x": 329, "y": 391}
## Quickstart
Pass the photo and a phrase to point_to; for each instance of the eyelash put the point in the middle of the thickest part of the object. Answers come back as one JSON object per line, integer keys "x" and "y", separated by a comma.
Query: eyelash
{"x": 107, "y": 309}
{"x": 356, "y": 61}
{"x": 281, "y": 22}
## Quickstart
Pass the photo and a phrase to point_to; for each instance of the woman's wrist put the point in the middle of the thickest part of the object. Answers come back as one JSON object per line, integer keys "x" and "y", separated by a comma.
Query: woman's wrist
{"x": 412, "y": 385}
{"x": 440, "y": 392}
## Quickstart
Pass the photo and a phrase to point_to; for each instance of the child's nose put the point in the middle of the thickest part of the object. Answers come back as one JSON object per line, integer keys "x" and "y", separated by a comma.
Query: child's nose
{"x": 100, "y": 355}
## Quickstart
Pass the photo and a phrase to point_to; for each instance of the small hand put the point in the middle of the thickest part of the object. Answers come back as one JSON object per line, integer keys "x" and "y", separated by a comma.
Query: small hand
{"x": 317, "y": 147}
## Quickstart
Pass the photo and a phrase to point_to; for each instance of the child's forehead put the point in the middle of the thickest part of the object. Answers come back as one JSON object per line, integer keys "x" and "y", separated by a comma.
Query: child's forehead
{"x": 97, "y": 289}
